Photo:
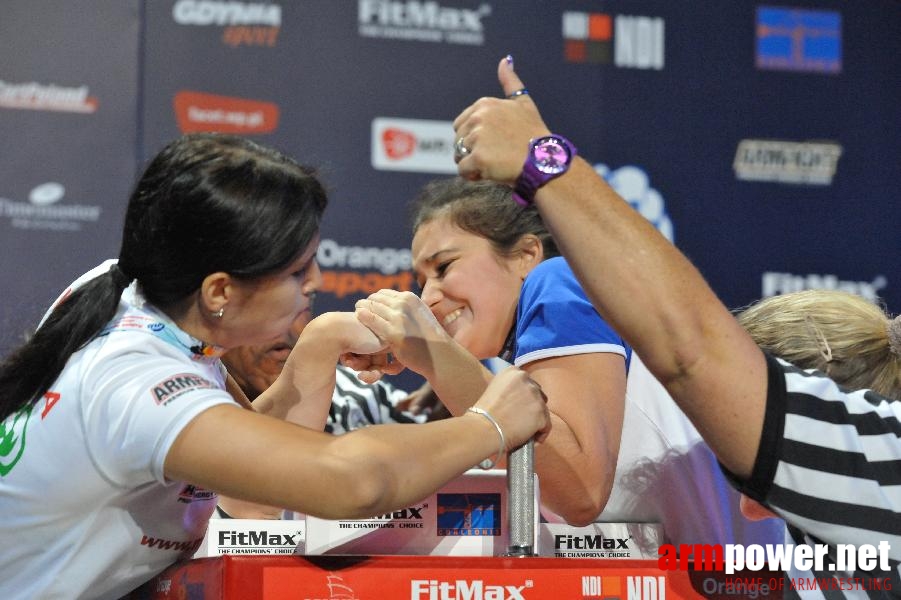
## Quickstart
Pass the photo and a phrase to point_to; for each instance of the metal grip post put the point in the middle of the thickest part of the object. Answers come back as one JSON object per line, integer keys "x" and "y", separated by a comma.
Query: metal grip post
{"x": 521, "y": 500}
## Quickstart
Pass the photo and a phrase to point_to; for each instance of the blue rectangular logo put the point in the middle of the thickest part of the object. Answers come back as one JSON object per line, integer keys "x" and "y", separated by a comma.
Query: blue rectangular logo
{"x": 469, "y": 514}
{"x": 794, "y": 39}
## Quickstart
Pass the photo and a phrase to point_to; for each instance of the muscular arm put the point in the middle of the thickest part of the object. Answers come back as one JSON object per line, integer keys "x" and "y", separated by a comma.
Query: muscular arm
{"x": 650, "y": 292}
{"x": 665, "y": 310}
{"x": 362, "y": 473}
{"x": 576, "y": 463}
{"x": 303, "y": 391}
{"x": 585, "y": 393}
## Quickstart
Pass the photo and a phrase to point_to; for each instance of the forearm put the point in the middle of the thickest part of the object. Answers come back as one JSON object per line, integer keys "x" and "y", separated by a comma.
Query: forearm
{"x": 575, "y": 482}
{"x": 650, "y": 293}
{"x": 241, "y": 509}
{"x": 659, "y": 302}
{"x": 457, "y": 377}
{"x": 303, "y": 391}
{"x": 452, "y": 445}
{"x": 576, "y": 463}
{"x": 363, "y": 473}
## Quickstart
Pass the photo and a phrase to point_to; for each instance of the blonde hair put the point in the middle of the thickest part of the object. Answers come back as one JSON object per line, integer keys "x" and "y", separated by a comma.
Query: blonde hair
{"x": 847, "y": 337}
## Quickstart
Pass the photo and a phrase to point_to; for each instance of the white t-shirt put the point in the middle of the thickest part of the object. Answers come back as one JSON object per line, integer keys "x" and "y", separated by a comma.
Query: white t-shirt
{"x": 666, "y": 473}
{"x": 86, "y": 510}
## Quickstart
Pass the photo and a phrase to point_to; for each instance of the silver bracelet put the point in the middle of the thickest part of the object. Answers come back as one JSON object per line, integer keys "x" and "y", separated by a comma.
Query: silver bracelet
{"x": 489, "y": 463}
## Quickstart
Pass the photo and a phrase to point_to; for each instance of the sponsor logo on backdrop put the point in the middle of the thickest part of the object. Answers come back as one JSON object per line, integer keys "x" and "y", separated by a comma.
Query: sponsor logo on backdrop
{"x": 466, "y": 589}
{"x": 44, "y": 210}
{"x": 775, "y": 283}
{"x": 413, "y": 145}
{"x": 627, "y": 41}
{"x": 243, "y": 23}
{"x": 469, "y": 514}
{"x": 411, "y": 20}
{"x": 780, "y": 161}
{"x": 48, "y": 97}
{"x": 795, "y": 39}
{"x": 634, "y": 185}
{"x": 198, "y": 111}
{"x": 373, "y": 269}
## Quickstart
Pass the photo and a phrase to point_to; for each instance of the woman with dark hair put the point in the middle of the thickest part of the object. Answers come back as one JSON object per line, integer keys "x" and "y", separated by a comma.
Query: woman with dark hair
{"x": 116, "y": 427}
{"x": 489, "y": 273}
{"x": 620, "y": 450}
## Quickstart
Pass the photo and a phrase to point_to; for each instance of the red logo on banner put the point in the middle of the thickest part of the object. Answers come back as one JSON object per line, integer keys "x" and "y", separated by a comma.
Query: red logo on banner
{"x": 197, "y": 112}
{"x": 398, "y": 143}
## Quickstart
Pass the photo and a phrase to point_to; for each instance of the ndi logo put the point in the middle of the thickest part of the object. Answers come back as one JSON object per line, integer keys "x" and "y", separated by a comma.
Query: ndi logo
{"x": 633, "y": 42}
{"x": 637, "y": 587}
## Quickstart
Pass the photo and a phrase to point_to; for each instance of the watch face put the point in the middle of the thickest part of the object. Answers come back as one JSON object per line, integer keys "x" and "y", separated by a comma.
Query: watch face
{"x": 551, "y": 156}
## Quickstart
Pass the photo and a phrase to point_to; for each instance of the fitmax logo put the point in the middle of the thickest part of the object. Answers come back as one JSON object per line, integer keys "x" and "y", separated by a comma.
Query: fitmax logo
{"x": 410, "y": 512}
{"x": 589, "y": 542}
{"x": 422, "y": 14}
{"x": 261, "y": 537}
{"x": 462, "y": 589}
{"x": 421, "y": 21}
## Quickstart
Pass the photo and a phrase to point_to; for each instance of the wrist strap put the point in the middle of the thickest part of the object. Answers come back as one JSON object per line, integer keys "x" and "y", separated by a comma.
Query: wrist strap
{"x": 489, "y": 463}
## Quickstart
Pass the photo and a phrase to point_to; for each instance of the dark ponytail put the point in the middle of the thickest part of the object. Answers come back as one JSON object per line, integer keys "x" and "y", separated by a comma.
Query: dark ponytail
{"x": 205, "y": 203}
{"x": 29, "y": 371}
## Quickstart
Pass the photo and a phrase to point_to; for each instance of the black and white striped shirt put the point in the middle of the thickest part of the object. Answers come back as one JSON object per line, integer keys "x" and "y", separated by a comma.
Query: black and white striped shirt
{"x": 830, "y": 462}
{"x": 356, "y": 404}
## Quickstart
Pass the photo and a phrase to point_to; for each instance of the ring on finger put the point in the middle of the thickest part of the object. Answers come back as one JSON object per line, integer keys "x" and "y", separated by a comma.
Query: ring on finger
{"x": 460, "y": 148}
{"x": 518, "y": 93}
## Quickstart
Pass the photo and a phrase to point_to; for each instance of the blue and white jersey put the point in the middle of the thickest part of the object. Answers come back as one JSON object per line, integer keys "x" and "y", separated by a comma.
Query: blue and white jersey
{"x": 555, "y": 318}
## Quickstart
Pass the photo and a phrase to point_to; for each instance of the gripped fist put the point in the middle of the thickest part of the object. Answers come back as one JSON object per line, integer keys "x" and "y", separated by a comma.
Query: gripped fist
{"x": 518, "y": 405}
{"x": 405, "y": 324}
{"x": 496, "y": 131}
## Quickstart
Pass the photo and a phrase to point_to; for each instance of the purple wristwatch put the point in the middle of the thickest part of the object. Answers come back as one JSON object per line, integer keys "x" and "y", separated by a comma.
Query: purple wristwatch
{"x": 549, "y": 157}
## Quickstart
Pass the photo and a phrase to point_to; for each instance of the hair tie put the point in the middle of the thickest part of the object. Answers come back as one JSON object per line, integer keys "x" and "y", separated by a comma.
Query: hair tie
{"x": 120, "y": 278}
{"x": 894, "y": 335}
{"x": 822, "y": 343}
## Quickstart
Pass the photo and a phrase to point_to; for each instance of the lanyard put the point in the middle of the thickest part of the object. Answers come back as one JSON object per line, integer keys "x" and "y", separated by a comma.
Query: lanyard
{"x": 151, "y": 321}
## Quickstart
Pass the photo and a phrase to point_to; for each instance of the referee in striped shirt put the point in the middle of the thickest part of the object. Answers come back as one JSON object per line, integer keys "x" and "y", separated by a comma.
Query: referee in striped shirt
{"x": 825, "y": 458}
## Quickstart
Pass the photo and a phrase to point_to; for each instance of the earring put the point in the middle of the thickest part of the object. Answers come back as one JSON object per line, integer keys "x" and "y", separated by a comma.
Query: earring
{"x": 218, "y": 313}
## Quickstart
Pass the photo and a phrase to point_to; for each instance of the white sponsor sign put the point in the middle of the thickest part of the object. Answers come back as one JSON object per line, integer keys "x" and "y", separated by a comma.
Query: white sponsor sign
{"x": 413, "y": 145}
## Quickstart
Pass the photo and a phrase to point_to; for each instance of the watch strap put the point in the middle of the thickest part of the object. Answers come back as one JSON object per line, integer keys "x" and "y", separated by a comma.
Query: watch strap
{"x": 532, "y": 177}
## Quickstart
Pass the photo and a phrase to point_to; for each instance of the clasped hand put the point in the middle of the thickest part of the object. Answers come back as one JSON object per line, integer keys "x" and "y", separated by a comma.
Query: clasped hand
{"x": 408, "y": 329}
